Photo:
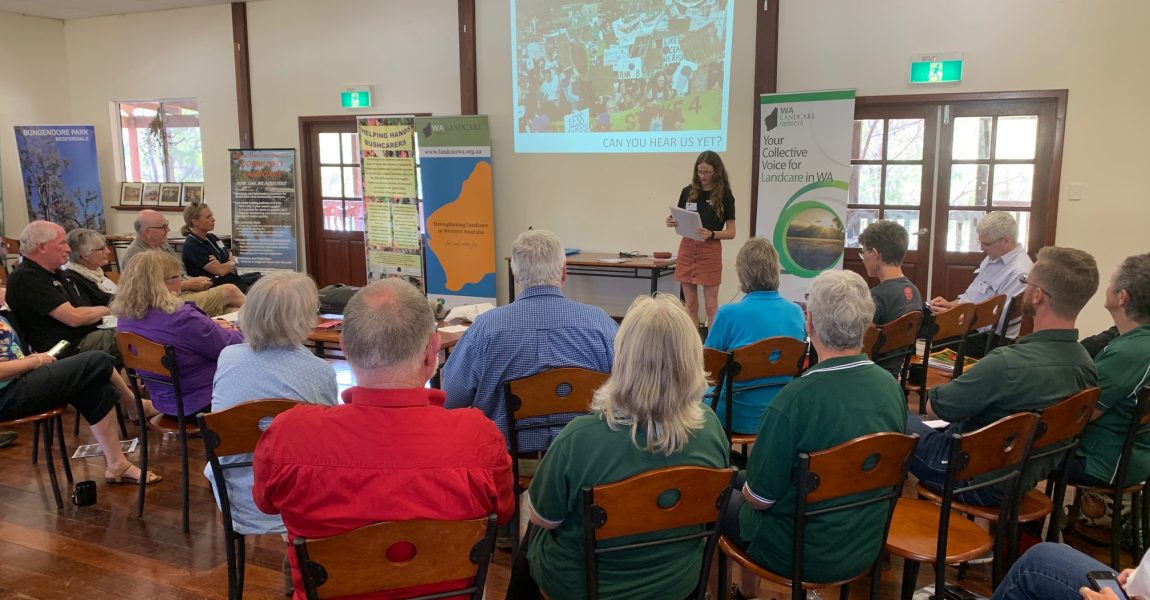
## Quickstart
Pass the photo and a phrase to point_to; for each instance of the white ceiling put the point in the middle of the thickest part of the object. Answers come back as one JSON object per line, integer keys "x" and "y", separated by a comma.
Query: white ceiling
{"x": 82, "y": 9}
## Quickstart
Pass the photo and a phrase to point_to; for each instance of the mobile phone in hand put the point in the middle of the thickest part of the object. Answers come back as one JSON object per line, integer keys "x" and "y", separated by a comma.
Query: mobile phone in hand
{"x": 1100, "y": 580}
{"x": 58, "y": 348}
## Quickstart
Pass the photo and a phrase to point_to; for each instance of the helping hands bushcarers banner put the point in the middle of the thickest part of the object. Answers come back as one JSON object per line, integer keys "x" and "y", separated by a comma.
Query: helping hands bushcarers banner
{"x": 804, "y": 174}
{"x": 391, "y": 199}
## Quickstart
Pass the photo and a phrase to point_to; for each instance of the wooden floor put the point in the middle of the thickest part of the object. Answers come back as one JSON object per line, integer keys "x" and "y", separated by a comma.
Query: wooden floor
{"x": 104, "y": 551}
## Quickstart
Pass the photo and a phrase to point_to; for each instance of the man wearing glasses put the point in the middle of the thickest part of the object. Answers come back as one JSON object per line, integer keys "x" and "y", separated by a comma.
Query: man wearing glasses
{"x": 152, "y": 234}
{"x": 1037, "y": 371}
{"x": 998, "y": 273}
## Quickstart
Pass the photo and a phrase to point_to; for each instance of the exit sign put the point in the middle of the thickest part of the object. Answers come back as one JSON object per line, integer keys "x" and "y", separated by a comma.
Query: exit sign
{"x": 357, "y": 97}
{"x": 943, "y": 67}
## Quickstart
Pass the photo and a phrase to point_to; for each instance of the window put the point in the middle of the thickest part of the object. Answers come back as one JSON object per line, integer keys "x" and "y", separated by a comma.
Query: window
{"x": 161, "y": 140}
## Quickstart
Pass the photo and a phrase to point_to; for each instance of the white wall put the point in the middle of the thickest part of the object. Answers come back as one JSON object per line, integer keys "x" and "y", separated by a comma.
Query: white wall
{"x": 33, "y": 91}
{"x": 1096, "y": 50}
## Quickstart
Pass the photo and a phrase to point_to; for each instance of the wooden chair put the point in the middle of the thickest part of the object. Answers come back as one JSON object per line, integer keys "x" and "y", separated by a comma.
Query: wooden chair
{"x": 231, "y": 432}
{"x": 923, "y": 531}
{"x": 999, "y": 336}
{"x": 715, "y": 363}
{"x": 771, "y": 357}
{"x": 632, "y": 507}
{"x": 940, "y": 331}
{"x": 1117, "y": 491}
{"x": 1057, "y": 436}
{"x": 874, "y": 463}
{"x": 148, "y": 361}
{"x": 397, "y": 555}
{"x": 52, "y": 421}
{"x": 871, "y": 340}
{"x": 549, "y": 399}
{"x": 898, "y": 339}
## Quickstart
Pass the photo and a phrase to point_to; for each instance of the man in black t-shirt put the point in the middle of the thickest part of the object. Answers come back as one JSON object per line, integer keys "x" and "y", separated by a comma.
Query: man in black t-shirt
{"x": 884, "y": 244}
{"x": 49, "y": 307}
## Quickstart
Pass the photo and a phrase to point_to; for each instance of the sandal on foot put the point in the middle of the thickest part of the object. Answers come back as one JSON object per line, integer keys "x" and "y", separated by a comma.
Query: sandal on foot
{"x": 124, "y": 478}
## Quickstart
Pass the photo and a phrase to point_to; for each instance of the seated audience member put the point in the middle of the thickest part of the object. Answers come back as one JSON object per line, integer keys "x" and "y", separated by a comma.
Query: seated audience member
{"x": 1039, "y": 370}
{"x": 761, "y": 314}
{"x": 147, "y": 305}
{"x": 204, "y": 254}
{"x": 843, "y": 397}
{"x": 1123, "y": 370}
{"x": 884, "y": 245}
{"x": 152, "y": 234}
{"x": 997, "y": 274}
{"x": 646, "y": 416}
{"x": 391, "y": 453}
{"x": 1050, "y": 571}
{"x": 540, "y": 330}
{"x": 49, "y": 307}
{"x": 1098, "y": 342}
{"x": 85, "y": 267}
{"x": 38, "y": 382}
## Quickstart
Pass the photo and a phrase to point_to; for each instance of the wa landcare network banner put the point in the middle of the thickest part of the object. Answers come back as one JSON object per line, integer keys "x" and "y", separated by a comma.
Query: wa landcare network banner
{"x": 455, "y": 164}
{"x": 61, "y": 175}
{"x": 264, "y": 209}
{"x": 804, "y": 175}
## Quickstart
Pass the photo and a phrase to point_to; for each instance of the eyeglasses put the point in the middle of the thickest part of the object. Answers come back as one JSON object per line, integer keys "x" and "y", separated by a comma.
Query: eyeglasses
{"x": 986, "y": 245}
{"x": 862, "y": 253}
{"x": 1025, "y": 280}
{"x": 165, "y": 227}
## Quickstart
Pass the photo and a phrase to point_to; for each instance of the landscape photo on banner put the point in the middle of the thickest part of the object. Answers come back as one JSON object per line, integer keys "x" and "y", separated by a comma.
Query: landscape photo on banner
{"x": 61, "y": 175}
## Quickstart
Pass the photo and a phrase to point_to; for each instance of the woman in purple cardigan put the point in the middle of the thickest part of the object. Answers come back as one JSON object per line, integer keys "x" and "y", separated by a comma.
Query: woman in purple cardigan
{"x": 147, "y": 305}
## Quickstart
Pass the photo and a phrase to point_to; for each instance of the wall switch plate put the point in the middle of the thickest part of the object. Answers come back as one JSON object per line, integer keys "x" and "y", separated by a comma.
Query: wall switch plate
{"x": 1075, "y": 192}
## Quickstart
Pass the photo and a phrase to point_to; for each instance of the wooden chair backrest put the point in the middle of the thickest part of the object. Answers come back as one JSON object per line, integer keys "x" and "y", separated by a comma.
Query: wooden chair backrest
{"x": 1013, "y": 313}
{"x": 631, "y": 506}
{"x": 1001, "y": 444}
{"x": 142, "y": 354}
{"x": 114, "y": 276}
{"x": 236, "y": 430}
{"x": 1066, "y": 420}
{"x": 988, "y": 312}
{"x": 714, "y": 361}
{"x": 539, "y": 395}
{"x": 865, "y": 463}
{"x": 900, "y": 334}
{"x": 953, "y": 323}
{"x": 12, "y": 254}
{"x": 870, "y": 340}
{"x": 772, "y": 357}
{"x": 357, "y": 562}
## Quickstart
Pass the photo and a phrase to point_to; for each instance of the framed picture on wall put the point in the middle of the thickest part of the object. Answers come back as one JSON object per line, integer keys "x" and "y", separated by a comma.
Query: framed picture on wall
{"x": 131, "y": 193}
{"x": 169, "y": 194}
{"x": 151, "y": 194}
{"x": 193, "y": 194}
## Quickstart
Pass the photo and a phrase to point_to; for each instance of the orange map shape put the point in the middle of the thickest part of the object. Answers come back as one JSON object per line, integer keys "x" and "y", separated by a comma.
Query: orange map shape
{"x": 461, "y": 232}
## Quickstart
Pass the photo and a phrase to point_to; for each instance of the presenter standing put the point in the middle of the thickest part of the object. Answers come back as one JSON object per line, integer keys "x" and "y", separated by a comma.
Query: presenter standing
{"x": 700, "y": 262}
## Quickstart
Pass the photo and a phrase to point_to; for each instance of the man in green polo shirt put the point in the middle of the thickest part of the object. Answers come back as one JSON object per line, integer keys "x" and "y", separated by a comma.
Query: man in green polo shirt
{"x": 1123, "y": 370}
{"x": 1037, "y": 371}
{"x": 843, "y": 397}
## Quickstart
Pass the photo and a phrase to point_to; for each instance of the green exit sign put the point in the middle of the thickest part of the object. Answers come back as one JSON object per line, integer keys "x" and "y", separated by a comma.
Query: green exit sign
{"x": 357, "y": 98}
{"x": 936, "y": 68}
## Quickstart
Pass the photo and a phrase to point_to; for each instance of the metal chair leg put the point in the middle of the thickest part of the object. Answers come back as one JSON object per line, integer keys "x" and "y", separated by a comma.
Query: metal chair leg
{"x": 724, "y": 581}
{"x": 35, "y": 441}
{"x": 51, "y": 467}
{"x": 183, "y": 470}
{"x": 241, "y": 562}
{"x": 59, "y": 422}
{"x": 1116, "y": 529}
{"x": 142, "y": 487}
{"x": 910, "y": 580}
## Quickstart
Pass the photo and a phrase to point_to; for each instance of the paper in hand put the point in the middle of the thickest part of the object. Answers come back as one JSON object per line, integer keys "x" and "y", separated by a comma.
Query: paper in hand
{"x": 688, "y": 223}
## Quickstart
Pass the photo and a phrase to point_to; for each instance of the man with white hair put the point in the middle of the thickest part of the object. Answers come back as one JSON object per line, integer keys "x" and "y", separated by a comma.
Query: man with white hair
{"x": 540, "y": 330}
{"x": 152, "y": 234}
{"x": 47, "y": 305}
{"x": 997, "y": 274}
{"x": 392, "y": 452}
{"x": 843, "y": 397}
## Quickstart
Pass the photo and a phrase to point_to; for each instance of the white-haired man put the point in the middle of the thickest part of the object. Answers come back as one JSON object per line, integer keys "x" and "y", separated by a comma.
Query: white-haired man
{"x": 152, "y": 234}
{"x": 540, "y": 330}
{"x": 1006, "y": 260}
{"x": 392, "y": 452}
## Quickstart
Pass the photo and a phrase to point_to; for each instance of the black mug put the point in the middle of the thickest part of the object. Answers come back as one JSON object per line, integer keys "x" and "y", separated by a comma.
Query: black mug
{"x": 85, "y": 494}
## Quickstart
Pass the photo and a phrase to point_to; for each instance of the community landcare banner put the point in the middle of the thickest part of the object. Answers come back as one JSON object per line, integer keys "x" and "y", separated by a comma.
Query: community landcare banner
{"x": 61, "y": 175}
{"x": 390, "y": 195}
{"x": 264, "y": 209}
{"x": 455, "y": 167}
{"x": 804, "y": 174}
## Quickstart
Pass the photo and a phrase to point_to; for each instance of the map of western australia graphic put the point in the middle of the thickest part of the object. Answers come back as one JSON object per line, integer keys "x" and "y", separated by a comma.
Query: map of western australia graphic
{"x": 459, "y": 234}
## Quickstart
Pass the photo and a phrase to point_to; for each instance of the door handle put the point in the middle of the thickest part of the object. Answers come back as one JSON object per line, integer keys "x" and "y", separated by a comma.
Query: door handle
{"x": 922, "y": 231}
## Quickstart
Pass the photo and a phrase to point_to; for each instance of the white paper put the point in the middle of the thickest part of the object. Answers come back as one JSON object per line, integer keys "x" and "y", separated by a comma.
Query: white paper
{"x": 107, "y": 322}
{"x": 453, "y": 329}
{"x": 936, "y": 424}
{"x": 467, "y": 312}
{"x": 1139, "y": 582}
{"x": 688, "y": 223}
{"x": 231, "y": 317}
{"x": 614, "y": 261}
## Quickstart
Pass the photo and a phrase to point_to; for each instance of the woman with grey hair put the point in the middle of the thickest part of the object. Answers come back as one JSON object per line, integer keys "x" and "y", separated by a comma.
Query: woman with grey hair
{"x": 85, "y": 267}
{"x": 276, "y": 318}
{"x": 763, "y": 313}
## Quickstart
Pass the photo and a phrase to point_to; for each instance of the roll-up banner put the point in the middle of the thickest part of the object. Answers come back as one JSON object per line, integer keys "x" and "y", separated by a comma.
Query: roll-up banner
{"x": 391, "y": 198}
{"x": 61, "y": 175}
{"x": 264, "y": 209}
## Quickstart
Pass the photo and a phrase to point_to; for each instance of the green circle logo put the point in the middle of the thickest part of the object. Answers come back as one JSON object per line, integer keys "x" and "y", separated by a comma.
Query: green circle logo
{"x": 809, "y": 235}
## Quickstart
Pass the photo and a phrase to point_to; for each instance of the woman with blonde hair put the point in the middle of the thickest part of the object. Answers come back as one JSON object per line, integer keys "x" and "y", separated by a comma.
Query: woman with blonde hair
{"x": 646, "y": 416}
{"x": 204, "y": 255}
{"x": 147, "y": 305}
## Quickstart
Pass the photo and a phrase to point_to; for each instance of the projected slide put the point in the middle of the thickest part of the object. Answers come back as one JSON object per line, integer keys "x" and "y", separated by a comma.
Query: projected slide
{"x": 621, "y": 75}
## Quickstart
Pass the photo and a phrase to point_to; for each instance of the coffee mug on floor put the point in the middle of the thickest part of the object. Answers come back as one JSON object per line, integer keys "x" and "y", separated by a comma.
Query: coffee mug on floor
{"x": 85, "y": 494}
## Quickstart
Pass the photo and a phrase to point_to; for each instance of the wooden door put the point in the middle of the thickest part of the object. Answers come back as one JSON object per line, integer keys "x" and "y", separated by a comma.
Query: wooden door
{"x": 332, "y": 200}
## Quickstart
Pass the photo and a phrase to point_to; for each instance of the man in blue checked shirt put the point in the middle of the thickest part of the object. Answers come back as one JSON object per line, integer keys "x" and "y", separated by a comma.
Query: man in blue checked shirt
{"x": 540, "y": 330}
